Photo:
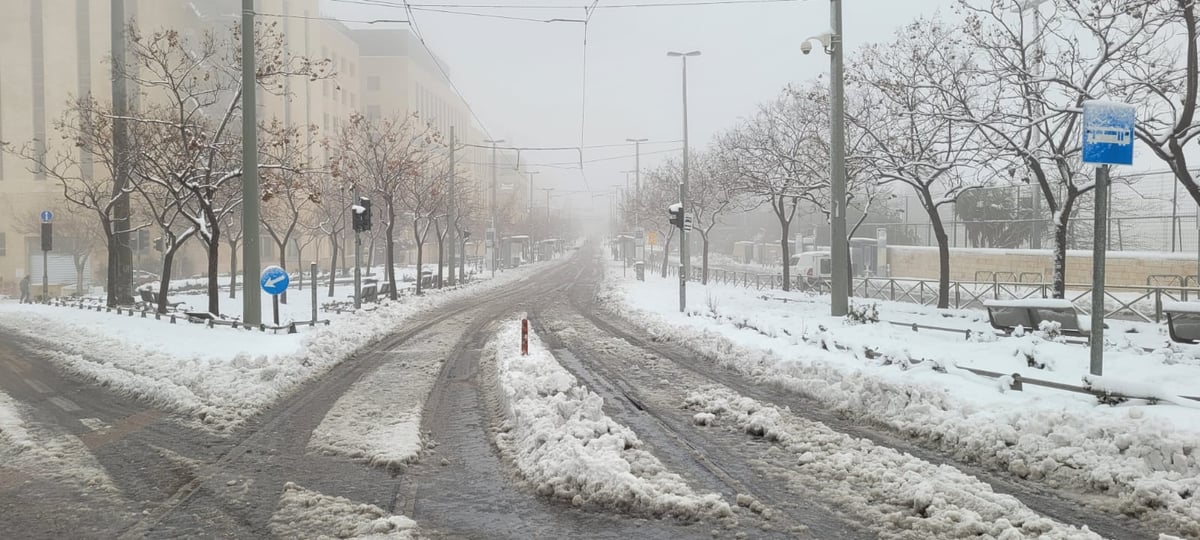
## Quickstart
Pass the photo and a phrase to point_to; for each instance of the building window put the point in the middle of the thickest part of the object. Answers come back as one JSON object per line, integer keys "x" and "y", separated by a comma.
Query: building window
{"x": 325, "y": 88}
{"x": 372, "y": 83}
{"x": 353, "y": 101}
{"x": 352, "y": 66}
{"x": 325, "y": 123}
{"x": 372, "y": 112}
{"x": 266, "y": 246}
{"x": 3, "y": 244}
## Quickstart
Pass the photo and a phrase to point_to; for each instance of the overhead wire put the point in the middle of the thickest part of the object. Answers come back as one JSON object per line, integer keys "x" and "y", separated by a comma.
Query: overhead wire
{"x": 383, "y": 3}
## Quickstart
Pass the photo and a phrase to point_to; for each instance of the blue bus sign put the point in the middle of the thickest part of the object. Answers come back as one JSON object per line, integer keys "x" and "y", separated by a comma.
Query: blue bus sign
{"x": 1108, "y": 133}
{"x": 274, "y": 280}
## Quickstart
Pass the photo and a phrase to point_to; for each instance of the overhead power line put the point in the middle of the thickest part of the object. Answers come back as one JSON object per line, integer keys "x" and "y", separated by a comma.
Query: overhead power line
{"x": 383, "y": 3}
{"x": 335, "y": 19}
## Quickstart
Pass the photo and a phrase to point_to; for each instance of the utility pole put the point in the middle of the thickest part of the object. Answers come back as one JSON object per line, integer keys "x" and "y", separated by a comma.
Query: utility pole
{"x": 493, "y": 249}
{"x": 637, "y": 199}
{"x": 252, "y": 291}
{"x": 451, "y": 213}
{"x": 839, "y": 249}
{"x": 120, "y": 275}
{"x": 684, "y": 263}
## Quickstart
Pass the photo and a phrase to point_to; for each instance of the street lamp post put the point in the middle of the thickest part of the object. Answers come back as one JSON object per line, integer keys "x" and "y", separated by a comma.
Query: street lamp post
{"x": 839, "y": 248}
{"x": 684, "y": 263}
{"x": 251, "y": 262}
{"x": 637, "y": 174}
{"x": 495, "y": 240}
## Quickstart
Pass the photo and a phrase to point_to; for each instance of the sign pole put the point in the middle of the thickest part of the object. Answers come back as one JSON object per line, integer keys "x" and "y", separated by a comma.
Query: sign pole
{"x": 1107, "y": 140}
{"x": 1099, "y": 242}
{"x": 312, "y": 268}
{"x": 275, "y": 307}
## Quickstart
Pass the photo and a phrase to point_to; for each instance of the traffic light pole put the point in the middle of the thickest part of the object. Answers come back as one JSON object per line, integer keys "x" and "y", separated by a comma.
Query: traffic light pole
{"x": 357, "y": 254}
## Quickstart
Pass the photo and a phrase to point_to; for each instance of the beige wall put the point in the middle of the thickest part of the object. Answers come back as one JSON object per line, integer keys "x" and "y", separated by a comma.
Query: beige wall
{"x": 1121, "y": 268}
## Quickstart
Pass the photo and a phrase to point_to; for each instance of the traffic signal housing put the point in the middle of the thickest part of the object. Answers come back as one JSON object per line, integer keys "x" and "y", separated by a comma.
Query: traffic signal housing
{"x": 676, "y": 213}
{"x": 360, "y": 218}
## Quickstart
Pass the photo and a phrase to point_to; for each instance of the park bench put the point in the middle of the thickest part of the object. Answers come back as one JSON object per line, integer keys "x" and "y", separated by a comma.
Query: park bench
{"x": 150, "y": 300}
{"x": 370, "y": 293}
{"x": 1183, "y": 321}
{"x": 1028, "y": 313}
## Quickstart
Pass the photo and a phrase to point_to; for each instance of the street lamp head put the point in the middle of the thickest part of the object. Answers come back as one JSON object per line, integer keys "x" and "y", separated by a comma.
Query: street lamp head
{"x": 636, "y": 140}
{"x": 689, "y": 53}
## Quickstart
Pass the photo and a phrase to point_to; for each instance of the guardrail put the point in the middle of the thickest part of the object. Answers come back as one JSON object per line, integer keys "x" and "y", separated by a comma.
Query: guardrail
{"x": 1127, "y": 302}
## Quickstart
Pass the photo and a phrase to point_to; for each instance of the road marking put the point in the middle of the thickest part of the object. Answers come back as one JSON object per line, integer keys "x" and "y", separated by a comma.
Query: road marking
{"x": 94, "y": 424}
{"x": 128, "y": 425}
{"x": 65, "y": 404}
{"x": 37, "y": 385}
{"x": 18, "y": 365}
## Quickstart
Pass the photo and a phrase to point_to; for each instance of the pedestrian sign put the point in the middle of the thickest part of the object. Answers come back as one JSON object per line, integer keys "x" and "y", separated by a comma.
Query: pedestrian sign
{"x": 47, "y": 216}
{"x": 274, "y": 280}
{"x": 1108, "y": 133}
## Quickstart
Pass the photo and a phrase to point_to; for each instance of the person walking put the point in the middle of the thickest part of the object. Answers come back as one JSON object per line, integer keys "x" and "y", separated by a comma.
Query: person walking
{"x": 25, "y": 290}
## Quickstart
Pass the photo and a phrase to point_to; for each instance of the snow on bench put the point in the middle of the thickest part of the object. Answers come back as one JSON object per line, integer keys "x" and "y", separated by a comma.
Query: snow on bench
{"x": 1183, "y": 321}
{"x": 1007, "y": 315}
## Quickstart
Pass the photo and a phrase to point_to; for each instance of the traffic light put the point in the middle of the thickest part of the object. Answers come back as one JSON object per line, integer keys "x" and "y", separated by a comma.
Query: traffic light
{"x": 143, "y": 239}
{"x": 676, "y": 213}
{"x": 366, "y": 215}
{"x": 360, "y": 218}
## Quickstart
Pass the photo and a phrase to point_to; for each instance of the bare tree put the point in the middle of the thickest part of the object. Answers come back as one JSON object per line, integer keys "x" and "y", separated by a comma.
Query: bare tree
{"x": 712, "y": 193}
{"x": 660, "y": 189}
{"x": 233, "y": 239}
{"x": 910, "y": 83}
{"x": 383, "y": 155}
{"x": 422, "y": 197}
{"x": 192, "y": 93}
{"x": 778, "y": 158}
{"x": 1035, "y": 78}
{"x": 1164, "y": 85}
{"x": 290, "y": 192}
{"x": 329, "y": 217}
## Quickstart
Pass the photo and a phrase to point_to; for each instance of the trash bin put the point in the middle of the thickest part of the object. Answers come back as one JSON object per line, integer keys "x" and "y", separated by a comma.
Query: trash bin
{"x": 639, "y": 269}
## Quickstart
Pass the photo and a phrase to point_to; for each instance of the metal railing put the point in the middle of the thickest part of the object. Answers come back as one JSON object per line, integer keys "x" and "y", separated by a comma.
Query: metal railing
{"x": 1128, "y": 302}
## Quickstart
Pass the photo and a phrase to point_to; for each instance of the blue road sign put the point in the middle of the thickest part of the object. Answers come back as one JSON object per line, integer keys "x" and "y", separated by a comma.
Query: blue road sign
{"x": 1108, "y": 133}
{"x": 47, "y": 216}
{"x": 274, "y": 280}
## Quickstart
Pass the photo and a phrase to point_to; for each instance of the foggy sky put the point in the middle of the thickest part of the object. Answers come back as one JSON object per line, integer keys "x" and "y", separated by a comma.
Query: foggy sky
{"x": 524, "y": 79}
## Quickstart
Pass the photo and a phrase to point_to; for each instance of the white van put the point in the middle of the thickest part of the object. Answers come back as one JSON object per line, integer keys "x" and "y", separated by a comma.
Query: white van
{"x": 812, "y": 264}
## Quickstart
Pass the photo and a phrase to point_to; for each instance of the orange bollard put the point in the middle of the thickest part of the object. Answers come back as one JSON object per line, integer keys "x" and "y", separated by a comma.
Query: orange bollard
{"x": 524, "y": 337}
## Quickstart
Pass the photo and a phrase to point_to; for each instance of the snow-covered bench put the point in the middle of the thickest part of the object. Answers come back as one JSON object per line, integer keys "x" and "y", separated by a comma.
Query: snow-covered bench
{"x": 1183, "y": 321}
{"x": 1028, "y": 313}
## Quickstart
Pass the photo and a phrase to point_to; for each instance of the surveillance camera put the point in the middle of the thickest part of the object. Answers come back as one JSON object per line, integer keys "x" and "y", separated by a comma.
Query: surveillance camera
{"x": 805, "y": 46}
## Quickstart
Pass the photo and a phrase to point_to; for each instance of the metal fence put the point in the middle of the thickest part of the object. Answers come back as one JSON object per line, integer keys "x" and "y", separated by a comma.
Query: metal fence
{"x": 1128, "y": 302}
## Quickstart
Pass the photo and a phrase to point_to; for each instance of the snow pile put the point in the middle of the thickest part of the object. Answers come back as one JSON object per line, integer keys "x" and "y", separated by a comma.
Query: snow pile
{"x": 562, "y": 442}
{"x": 217, "y": 376}
{"x": 304, "y": 513}
{"x": 46, "y": 453}
{"x": 1145, "y": 457}
{"x": 900, "y": 495}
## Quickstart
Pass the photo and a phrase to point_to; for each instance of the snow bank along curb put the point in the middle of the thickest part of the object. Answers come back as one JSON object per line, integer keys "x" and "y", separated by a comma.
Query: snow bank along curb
{"x": 901, "y": 494}
{"x": 1143, "y": 464}
{"x": 562, "y": 441}
{"x": 222, "y": 392}
{"x": 303, "y": 513}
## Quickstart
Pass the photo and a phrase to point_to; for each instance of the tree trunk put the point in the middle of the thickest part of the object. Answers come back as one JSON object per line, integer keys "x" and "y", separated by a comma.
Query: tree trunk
{"x": 666, "y": 254}
{"x": 420, "y": 254}
{"x": 283, "y": 264}
{"x": 441, "y": 252}
{"x": 389, "y": 248}
{"x": 214, "y": 292}
{"x": 333, "y": 257}
{"x": 80, "y": 266}
{"x": 233, "y": 261}
{"x": 704, "y": 257}
{"x": 785, "y": 226}
{"x": 300, "y": 265}
{"x": 462, "y": 260}
{"x": 1059, "y": 273}
{"x": 943, "y": 242}
{"x": 164, "y": 281}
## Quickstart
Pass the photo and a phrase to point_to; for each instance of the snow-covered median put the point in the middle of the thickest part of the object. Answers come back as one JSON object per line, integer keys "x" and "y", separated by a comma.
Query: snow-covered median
{"x": 218, "y": 376}
{"x": 305, "y": 513}
{"x": 899, "y": 495}
{"x": 1145, "y": 457}
{"x": 568, "y": 448}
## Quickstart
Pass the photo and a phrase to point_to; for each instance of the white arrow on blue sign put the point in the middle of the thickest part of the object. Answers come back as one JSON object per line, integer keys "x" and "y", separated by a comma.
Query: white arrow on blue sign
{"x": 274, "y": 280}
{"x": 47, "y": 216}
{"x": 1108, "y": 133}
